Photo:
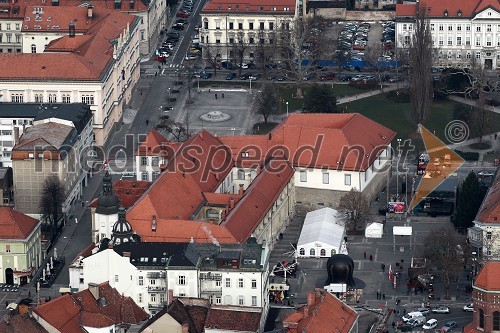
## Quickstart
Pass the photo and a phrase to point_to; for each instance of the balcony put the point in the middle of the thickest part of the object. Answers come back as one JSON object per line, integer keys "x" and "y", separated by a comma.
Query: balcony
{"x": 157, "y": 305}
{"x": 156, "y": 289}
{"x": 156, "y": 275}
{"x": 210, "y": 276}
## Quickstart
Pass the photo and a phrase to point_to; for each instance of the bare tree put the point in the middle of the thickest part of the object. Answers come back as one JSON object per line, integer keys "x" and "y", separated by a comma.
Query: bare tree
{"x": 265, "y": 49}
{"x": 374, "y": 57}
{"x": 212, "y": 55}
{"x": 444, "y": 251}
{"x": 421, "y": 54}
{"x": 354, "y": 206}
{"x": 239, "y": 48}
{"x": 51, "y": 203}
{"x": 301, "y": 44}
{"x": 265, "y": 103}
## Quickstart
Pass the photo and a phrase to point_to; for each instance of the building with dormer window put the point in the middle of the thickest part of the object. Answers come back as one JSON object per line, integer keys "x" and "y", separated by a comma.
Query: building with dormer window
{"x": 463, "y": 32}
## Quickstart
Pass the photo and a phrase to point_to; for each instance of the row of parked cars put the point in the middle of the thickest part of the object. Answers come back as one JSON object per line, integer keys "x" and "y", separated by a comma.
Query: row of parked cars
{"x": 417, "y": 318}
{"x": 352, "y": 40}
{"x": 388, "y": 35}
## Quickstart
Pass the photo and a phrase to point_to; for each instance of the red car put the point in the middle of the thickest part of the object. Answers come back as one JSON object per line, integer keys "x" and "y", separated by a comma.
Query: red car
{"x": 183, "y": 15}
{"x": 358, "y": 47}
{"x": 327, "y": 76}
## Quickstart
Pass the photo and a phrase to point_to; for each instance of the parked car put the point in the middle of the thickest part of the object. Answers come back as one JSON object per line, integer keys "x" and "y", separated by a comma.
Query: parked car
{"x": 441, "y": 309}
{"x": 344, "y": 78}
{"x": 227, "y": 64}
{"x": 191, "y": 56}
{"x": 430, "y": 324}
{"x": 449, "y": 326}
{"x": 254, "y": 76}
{"x": 423, "y": 311}
{"x": 230, "y": 76}
{"x": 243, "y": 65}
{"x": 178, "y": 27}
{"x": 184, "y": 15}
{"x": 327, "y": 76}
{"x": 416, "y": 322}
{"x": 276, "y": 78}
{"x": 206, "y": 75}
{"x": 245, "y": 76}
{"x": 469, "y": 308}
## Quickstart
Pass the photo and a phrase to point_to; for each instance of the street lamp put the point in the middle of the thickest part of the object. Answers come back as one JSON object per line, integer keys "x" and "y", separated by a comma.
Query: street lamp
{"x": 169, "y": 95}
{"x": 250, "y": 86}
{"x": 233, "y": 129}
{"x": 287, "y": 109}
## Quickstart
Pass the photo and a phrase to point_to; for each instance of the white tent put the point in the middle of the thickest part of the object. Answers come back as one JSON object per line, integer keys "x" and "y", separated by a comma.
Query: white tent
{"x": 322, "y": 235}
{"x": 374, "y": 230}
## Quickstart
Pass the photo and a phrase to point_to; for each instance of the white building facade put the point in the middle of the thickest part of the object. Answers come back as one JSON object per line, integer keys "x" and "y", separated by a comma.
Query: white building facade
{"x": 462, "y": 35}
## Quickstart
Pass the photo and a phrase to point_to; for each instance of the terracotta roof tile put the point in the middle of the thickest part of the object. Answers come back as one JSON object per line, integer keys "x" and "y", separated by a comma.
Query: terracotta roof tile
{"x": 329, "y": 136}
{"x": 128, "y": 191}
{"x": 258, "y": 199}
{"x": 15, "y": 225}
{"x": 489, "y": 212}
{"x": 21, "y": 324}
{"x": 220, "y": 199}
{"x": 233, "y": 319}
{"x": 156, "y": 144}
{"x": 437, "y": 8}
{"x": 104, "y": 4}
{"x": 327, "y": 314}
{"x": 275, "y": 7}
{"x": 489, "y": 277}
{"x": 67, "y": 313}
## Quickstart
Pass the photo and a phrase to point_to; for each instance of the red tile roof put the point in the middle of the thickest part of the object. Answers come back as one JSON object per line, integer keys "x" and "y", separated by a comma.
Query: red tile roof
{"x": 127, "y": 192}
{"x": 69, "y": 312}
{"x": 220, "y": 199}
{"x": 182, "y": 231}
{"x": 258, "y": 199}
{"x": 156, "y": 144}
{"x": 437, "y": 8}
{"x": 326, "y": 314}
{"x": 274, "y": 7}
{"x": 490, "y": 208}
{"x": 22, "y": 323}
{"x": 489, "y": 277}
{"x": 89, "y": 59}
{"x": 233, "y": 319}
{"x": 15, "y": 225}
{"x": 106, "y": 4}
{"x": 329, "y": 136}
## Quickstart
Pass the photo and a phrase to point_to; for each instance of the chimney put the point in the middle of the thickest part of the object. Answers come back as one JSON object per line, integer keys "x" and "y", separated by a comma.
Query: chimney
{"x": 270, "y": 136}
{"x": 153, "y": 226}
{"x": 241, "y": 190}
{"x": 110, "y": 245}
{"x": 16, "y": 135}
{"x": 72, "y": 29}
{"x": 90, "y": 11}
{"x": 231, "y": 203}
{"x": 94, "y": 290}
{"x": 185, "y": 327}
{"x": 170, "y": 298}
{"x": 126, "y": 254}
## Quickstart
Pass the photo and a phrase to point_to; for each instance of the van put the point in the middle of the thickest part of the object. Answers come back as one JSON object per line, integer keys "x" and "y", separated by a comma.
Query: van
{"x": 411, "y": 315}
{"x": 418, "y": 321}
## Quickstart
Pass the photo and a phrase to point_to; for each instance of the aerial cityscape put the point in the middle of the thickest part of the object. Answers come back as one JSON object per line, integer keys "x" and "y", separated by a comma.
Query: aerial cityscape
{"x": 291, "y": 166}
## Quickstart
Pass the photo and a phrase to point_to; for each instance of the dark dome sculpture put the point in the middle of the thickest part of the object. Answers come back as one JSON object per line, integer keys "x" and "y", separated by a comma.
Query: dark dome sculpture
{"x": 340, "y": 268}
{"x": 122, "y": 230}
{"x": 107, "y": 203}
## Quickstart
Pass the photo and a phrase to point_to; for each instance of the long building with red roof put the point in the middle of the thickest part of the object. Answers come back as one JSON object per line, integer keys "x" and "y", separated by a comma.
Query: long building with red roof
{"x": 461, "y": 30}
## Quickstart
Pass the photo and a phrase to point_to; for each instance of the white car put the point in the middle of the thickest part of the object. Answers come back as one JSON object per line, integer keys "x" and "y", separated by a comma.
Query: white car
{"x": 469, "y": 308}
{"x": 430, "y": 324}
{"x": 441, "y": 309}
{"x": 243, "y": 66}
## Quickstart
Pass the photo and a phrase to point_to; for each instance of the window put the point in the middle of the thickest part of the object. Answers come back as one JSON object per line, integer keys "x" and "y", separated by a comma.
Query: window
{"x": 144, "y": 176}
{"x": 478, "y": 55}
{"x": 404, "y": 26}
{"x": 241, "y": 174}
{"x": 459, "y": 41}
{"x": 432, "y": 26}
{"x": 488, "y": 40}
{"x": 323, "y": 253}
{"x": 17, "y": 98}
{"x": 441, "y": 41}
{"x": 218, "y": 300}
{"x": 182, "y": 280}
{"x": 261, "y": 25}
{"x": 467, "y": 40}
{"x": 251, "y": 40}
{"x": 154, "y": 161}
{"x": 347, "y": 180}
{"x": 218, "y": 283}
{"x": 33, "y": 48}
{"x": 481, "y": 318}
{"x": 254, "y": 301}
{"x": 271, "y": 25}
{"x": 231, "y": 25}
{"x": 312, "y": 252}
{"x": 303, "y": 176}
{"x": 8, "y": 26}
{"x": 302, "y": 251}
{"x": 478, "y": 28}
{"x": 116, "y": 278}
{"x": 153, "y": 298}
{"x": 240, "y": 283}
{"x": 240, "y": 26}
{"x": 144, "y": 161}
{"x": 467, "y": 27}
{"x": 7, "y": 248}
{"x": 155, "y": 175}
{"x": 488, "y": 28}
{"x": 139, "y": 298}
{"x": 488, "y": 235}
{"x": 333, "y": 252}
{"x": 450, "y": 27}
{"x": 254, "y": 284}
{"x": 18, "y": 38}
{"x": 52, "y": 98}
{"x": 441, "y": 27}
{"x": 496, "y": 321}
{"x": 241, "y": 300}
{"x": 153, "y": 281}
{"x": 38, "y": 98}
{"x": 450, "y": 40}
{"x": 205, "y": 25}
{"x": 66, "y": 98}
{"x": 468, "y": 55}
{"x": 228, "y": 283}
{"x": 89, "y": 99}
{"x": 250, "y": 26}
{"x": 478, "y": 41}
{"x": 326, "y": 178}
{"x": 459, "y": 27}
{"x": 141, "y": 280}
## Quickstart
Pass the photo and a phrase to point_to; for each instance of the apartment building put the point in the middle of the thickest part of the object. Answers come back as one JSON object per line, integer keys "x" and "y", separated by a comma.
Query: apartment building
{"x": 463, "y": 32}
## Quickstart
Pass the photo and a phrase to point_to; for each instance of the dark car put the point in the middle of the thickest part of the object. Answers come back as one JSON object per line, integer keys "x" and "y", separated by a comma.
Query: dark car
{"x": 245, "y": 76}
{"x": 227, "y": 64}
{"x": 178, "y": 27}
{"x": 230, "y": 76}
{"x": 254, "y": 76}
{"x": 251, "y": 65}
{"x": 206, "y": 75}
{"x": 173, "y": 35}
{"x": 345, "y": 77}
{"x": 183, "y": 15}
{"x": 327, "y": 76}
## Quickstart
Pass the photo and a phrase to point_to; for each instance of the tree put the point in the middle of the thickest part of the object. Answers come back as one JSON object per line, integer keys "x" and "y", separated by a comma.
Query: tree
{"x": 470, "y": 197}
{"x": 320, "y": 98}
{"x": 265, "y": 50}
{"x": 51, "y": 200}
{"x": 265, "y": 102}
{"x": 374, "y": 57}
{"x": 302, "y": 43}
{"x": 239, "y": 48}
{"x": 443, "y": 250}
{"x": 212, "y": 55}
{"x": 354, "y": 206}
{"x": 421, "y": 56}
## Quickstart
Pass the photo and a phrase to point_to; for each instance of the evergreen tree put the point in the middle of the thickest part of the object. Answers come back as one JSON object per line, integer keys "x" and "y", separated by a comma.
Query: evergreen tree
{"x": 470, "y": 197}
{"x": 319, "y": 98}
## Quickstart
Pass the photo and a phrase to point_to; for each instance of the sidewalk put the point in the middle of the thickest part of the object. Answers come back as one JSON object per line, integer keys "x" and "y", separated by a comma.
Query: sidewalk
{"x": 495, "y": 109}
{"x": 348, "y": 99}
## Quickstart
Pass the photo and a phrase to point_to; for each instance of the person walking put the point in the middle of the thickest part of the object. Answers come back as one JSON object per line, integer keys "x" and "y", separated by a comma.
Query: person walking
{"x": 222, "y": 95}
{"x": 147, "y": 122}
{"x": 371, "y": 257}
{"x": 364, "y": 254}
{"x": 215, "y": 95}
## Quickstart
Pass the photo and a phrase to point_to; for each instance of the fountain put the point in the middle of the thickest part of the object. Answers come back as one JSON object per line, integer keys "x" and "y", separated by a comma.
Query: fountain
{"x": 215, "y": 116}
